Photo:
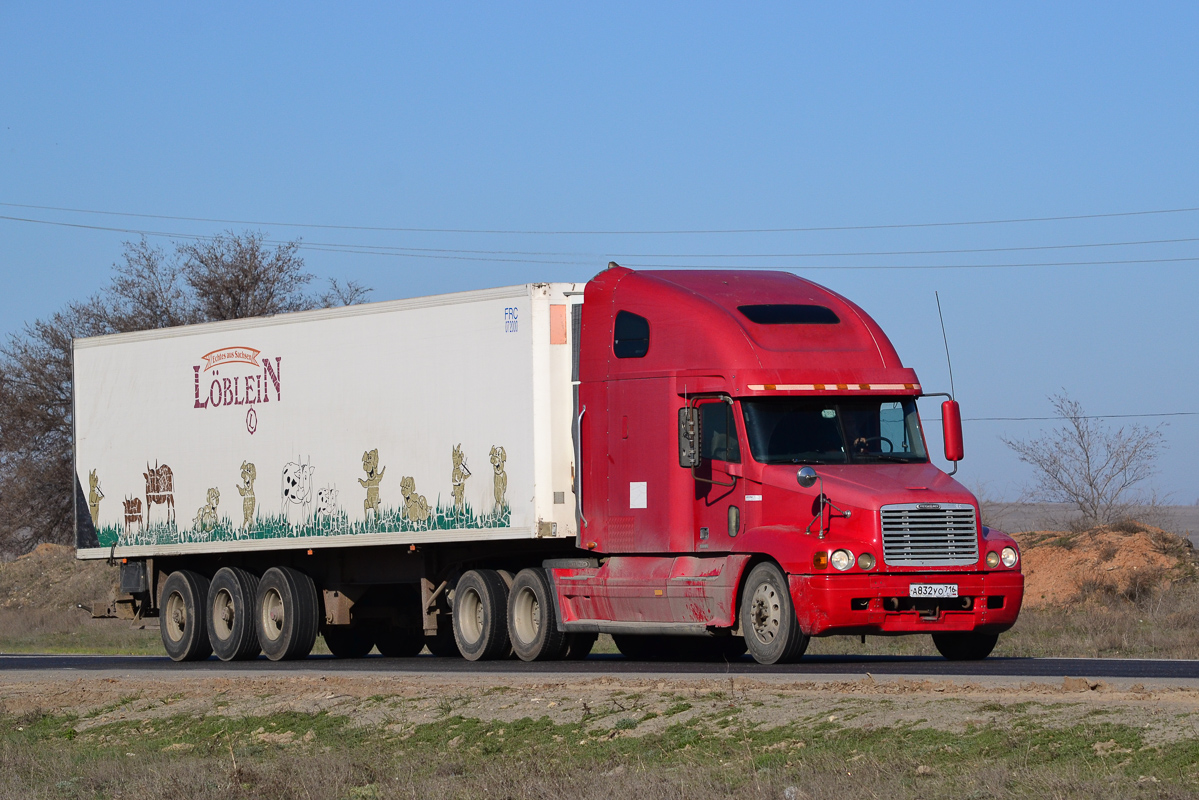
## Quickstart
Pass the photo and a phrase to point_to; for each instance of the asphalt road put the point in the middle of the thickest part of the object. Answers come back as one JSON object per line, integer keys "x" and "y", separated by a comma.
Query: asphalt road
{"x": 850, "y": 666}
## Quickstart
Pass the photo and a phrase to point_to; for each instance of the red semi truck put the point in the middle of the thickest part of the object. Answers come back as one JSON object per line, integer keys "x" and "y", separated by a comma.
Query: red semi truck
{"x": 735, "y": 460}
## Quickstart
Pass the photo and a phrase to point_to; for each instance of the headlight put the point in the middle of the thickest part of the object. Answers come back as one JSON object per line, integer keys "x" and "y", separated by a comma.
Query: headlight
{"x": 1009, "y": 557}
{"x": 992, "y": 559}
{"x": 841, "y": 559}
{"x": 865, "y": 561}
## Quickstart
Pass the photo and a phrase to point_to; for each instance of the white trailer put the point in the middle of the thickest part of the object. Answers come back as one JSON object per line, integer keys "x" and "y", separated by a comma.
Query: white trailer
{"x": 333, "y": 440}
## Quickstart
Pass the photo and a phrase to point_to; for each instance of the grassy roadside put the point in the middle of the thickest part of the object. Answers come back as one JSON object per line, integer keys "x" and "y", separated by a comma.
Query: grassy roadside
{"x": 1018, "y": 752}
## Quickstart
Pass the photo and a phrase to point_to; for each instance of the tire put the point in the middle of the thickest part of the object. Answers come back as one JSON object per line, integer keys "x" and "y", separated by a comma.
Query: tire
{"x": 577, "y": 646}
{"x": 230, "y": 614}
{"x": 347, "y": 641}
{"x": 768, "y": 622}
{"x": 182, "y": 618}
{"x": 965, "y": 646}
{"x": 712, "y": 648}
{"x": 481, "y": 615}
{"x": 396, "y": 642}
{"x": 287, "y": 614}
{"x": 533, "y": 618}
{"x": 442, "y": 643}
{"x": 637, "y": 647}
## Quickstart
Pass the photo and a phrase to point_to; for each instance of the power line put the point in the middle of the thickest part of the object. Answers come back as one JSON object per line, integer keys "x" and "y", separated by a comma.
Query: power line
{"x": 497, "y": 255}
{"x": 922, "y": 266}
{"x": 813, "y": 229}
{"x": 1085, "y": 416}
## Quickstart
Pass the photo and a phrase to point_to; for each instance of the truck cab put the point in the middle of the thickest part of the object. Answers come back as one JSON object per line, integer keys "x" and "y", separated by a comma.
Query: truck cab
{"x": 752, "y": 464}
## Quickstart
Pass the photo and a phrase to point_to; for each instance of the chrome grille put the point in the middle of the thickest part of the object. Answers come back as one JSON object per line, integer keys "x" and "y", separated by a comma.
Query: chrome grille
{"x": 929, "y": 535}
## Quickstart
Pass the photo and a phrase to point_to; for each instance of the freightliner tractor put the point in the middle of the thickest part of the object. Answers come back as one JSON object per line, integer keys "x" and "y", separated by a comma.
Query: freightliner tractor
{"x": 699, "y": 463}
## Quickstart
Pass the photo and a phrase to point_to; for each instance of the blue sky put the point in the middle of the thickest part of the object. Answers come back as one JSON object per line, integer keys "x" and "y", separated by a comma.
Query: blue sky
{"x": 643, "y": 117}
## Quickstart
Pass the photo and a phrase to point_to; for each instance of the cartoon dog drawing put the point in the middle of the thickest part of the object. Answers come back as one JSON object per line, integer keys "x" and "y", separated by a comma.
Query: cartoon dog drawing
{"x": 458, "y": 477}
{"x": 94, "y": 496}
{"x": 249, "y": 474}
{"x": 326, "y": 502}
{"x": 206, "y": 518}
{"x": 498, "y": 459}
{"x": 416, "y": 507}
{"x": 133, "y": 513}
{"x": 160, "y": 489}
{"x": 370, "y": 463}
{"x": 297, "y": 486}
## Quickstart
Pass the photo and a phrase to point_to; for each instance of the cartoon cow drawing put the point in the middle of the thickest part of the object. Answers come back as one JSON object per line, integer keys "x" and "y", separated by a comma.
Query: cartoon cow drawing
{"x": 370, "y": 465}
{"x": 206, "y": 518}
{"x": 458, "y": 477}
{"x": 498, "y": 459}
{"x": 249, "y": 474}
{"x": 160, "y": 489}
{"x": 416, "y": 507}
{"x": 326, "y": 502}
{"x": 94, "y": 496}
{"x": 133, "y": 513}
{"x": 297, "y": 487}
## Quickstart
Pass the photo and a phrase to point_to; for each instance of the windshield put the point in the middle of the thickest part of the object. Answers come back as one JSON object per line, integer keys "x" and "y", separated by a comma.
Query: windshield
{"x": 833, "y": 430}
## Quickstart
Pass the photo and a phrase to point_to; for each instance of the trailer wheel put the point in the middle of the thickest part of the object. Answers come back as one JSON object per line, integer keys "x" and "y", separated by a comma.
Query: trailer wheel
{"x": 442, "y": 643}
{"x": 768, "y": 621}
{"x": 638, "y": 647}
{"x": 231, "y": 614}
{"x": 182, "y": 623}
{"x": 287, "y": 613}
{"x": 577, "y": 646}
{"x": 347, "y": 641}
{"x": 481, "y": 615}
{"x": 532, "y": 620}
{"x": 396, "y": 642}
{"x": 965, "y": 646}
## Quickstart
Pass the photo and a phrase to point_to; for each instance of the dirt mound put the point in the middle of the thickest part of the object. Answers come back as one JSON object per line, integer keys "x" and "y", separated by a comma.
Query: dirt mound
{"x": 1128, "y": 559}
{"x": 50, "y": 577}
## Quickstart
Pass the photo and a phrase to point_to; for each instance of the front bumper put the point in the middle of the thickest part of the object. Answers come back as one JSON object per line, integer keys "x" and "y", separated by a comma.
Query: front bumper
{"x": 833, "y": 604}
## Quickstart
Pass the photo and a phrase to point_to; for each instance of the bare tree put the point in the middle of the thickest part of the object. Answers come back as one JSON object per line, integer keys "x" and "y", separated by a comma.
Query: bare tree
{"x": 228, "y": 277}
{"x": 1088, "y": 465}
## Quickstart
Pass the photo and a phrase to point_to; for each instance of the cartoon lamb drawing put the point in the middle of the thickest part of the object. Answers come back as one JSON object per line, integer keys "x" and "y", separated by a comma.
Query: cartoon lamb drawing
{"x": 498, "y": 459}
{"x": 94, "y": 496}
{"x": 249, "y": 474}
{"x": 206, "y": 518}
{"x": 458, "y": 477}
{"x": 370, "y": 463}
{"x": 416, "y": 507}
{"x": 326, "y": 502}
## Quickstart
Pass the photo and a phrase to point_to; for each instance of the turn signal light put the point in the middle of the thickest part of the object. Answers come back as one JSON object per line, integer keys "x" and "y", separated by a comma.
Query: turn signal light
{"x": 820, "y": 560}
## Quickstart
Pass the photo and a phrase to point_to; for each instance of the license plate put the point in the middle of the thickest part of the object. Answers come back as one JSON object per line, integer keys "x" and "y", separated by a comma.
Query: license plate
{"x": 932, "y": 590}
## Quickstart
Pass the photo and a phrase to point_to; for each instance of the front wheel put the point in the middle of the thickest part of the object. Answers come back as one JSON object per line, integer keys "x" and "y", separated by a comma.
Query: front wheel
{"x": 768, "y": 622}
{"x": 965, "y": 646}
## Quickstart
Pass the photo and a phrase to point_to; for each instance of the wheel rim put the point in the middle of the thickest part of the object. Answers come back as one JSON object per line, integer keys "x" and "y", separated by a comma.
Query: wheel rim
{"x": 766, "y": 613}
{"x": 470, "y": 615}
{"x": 223, "y": 614}
{"x": 273, "y": 615}
{"x": 176, "y": 617}
{"x": 526, "y": 615}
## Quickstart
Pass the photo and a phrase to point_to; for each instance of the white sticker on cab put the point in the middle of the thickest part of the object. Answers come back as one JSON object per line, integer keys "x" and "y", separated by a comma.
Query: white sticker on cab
{"x": 637, "y": 494}
{"x": 753, "y": 498}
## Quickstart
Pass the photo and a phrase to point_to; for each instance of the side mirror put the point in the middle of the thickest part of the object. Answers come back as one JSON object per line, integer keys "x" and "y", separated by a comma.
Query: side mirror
{"x": 806, "y": 477}
{"x": 951, "y": 428}
{"x": 689, "y": 437}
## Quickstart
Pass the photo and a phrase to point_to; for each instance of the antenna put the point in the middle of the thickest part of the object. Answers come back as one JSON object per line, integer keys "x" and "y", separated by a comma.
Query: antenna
{"x": 945, "y": 339}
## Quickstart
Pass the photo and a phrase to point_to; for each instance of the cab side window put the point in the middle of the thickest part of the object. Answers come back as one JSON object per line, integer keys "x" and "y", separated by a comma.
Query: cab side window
{"x": 630, "y": 336}
{"x": 719, "y": 433}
